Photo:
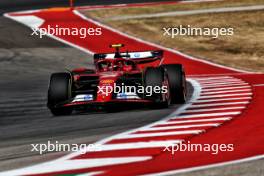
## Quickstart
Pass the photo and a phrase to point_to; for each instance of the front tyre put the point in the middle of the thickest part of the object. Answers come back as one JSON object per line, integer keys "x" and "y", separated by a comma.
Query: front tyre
{"x": 177, "y": 82}
{"x": 59, "y": 91}
{"x": 156, "y": 78}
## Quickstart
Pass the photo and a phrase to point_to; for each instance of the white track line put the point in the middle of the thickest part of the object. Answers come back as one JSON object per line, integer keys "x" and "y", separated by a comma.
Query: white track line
{"x": 258, "y": 85}
{"x": 196, "y": 120}
{"x": 225, "y": 88}
{"x": 208, "y": 114}
{"x": 138, "y": 145}
{"x": 218, "y": 104}
{"x": 222, "y": 99}
{"x": 131, "y": 136}
{"x": 219, "y": 80}
{"x": 225, "y": 95}
{"x": 213, "y": 78}
{"x": 222, "y": 74}
{"x": 181, "y": 126}
{"x": 214, "y": 109}
{"x": 226, "y": 91}
{"x": 224, "y": 85}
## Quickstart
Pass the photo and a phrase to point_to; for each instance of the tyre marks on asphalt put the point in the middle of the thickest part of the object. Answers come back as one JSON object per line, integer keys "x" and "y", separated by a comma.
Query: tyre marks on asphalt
{"x": 15, "y": 109}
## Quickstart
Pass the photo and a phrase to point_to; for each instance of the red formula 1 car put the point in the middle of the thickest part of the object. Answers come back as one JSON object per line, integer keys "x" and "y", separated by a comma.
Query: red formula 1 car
{"x": 120, "y": 77}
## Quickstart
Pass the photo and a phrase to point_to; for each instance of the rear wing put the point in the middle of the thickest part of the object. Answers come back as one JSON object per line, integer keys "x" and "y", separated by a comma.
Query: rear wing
{"x": 137, "y": 56}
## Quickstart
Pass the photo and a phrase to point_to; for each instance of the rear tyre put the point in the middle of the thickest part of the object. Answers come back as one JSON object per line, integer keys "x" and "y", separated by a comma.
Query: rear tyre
{"x": 59, "y": 92}
{"x": 177, "y": 82}
{"x": 157, "y": 77}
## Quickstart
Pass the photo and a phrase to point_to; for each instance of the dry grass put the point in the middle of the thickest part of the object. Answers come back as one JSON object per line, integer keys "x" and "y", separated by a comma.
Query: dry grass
{"x": 243, "y": 50}
{"x": 108, "y": 13}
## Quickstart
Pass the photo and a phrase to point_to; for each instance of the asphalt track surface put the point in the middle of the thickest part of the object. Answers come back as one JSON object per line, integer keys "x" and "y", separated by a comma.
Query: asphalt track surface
{"x": 26, "y": 63}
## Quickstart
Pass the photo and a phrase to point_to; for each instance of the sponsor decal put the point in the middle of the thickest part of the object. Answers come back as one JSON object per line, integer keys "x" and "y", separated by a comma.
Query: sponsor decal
{"x": 107, "y": 81}
{"x": 137, "y": 55}
{"x": 84, "y": 97}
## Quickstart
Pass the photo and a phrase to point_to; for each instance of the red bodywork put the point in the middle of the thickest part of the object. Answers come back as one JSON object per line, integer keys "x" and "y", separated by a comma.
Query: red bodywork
{"x": 108, "y": 71}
